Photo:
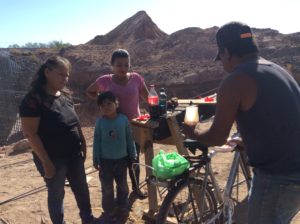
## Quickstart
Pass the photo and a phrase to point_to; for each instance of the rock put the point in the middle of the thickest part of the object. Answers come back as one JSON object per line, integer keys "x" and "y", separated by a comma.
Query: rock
{"x": 19, "y": 147}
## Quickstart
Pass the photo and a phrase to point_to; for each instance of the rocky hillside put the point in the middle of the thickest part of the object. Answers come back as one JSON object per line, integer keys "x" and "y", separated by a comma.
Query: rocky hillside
{"x": 181, "y": 61}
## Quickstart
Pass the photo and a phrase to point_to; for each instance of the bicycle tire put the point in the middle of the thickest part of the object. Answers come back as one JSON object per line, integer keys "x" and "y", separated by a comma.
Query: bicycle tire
{"x": 169, "y": 201}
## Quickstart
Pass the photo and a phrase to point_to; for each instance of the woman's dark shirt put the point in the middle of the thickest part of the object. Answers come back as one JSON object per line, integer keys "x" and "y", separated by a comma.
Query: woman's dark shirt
{"x": 58, "y": 126}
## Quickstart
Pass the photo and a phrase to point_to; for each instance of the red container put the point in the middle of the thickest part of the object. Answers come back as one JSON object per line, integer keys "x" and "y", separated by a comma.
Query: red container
{"x": 153, "y": 103}
{"x": 153, "y": 100}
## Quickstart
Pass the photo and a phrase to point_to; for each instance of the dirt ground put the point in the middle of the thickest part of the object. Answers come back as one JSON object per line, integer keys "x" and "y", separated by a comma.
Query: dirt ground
{"x": 20, "y": 182}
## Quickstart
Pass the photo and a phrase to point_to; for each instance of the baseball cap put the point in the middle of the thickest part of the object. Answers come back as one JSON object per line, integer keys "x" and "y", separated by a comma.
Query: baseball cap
{"x": 234, "y": 34}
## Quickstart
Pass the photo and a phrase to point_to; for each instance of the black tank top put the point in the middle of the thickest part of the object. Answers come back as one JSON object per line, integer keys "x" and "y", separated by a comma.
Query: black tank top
{"x": 271, "y": 128}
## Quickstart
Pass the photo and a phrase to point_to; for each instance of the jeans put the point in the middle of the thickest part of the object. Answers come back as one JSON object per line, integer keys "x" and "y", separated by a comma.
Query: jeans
{"x": 135, "y": 182}
{"x": 273, "y": 199}
{"x": 110, "y": 170}
{"x": 73, "y": 170}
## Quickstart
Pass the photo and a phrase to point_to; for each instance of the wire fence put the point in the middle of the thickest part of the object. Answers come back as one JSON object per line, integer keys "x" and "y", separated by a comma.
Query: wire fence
{"x": 11, "y": 92}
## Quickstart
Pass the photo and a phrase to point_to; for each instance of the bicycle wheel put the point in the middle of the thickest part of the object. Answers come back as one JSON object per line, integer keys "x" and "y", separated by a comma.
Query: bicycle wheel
{"x": 181, "y": 205}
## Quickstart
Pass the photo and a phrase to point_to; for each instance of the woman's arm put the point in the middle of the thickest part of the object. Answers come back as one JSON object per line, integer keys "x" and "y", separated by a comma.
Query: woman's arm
{"x": 130, "y": 142}
{"x": 92, "y": 91}
{"x": 30, "y": 128}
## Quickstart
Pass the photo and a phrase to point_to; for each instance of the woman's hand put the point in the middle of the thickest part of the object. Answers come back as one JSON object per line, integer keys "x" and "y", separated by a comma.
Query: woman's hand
{"x": 97, "y": 167}
{"x": 83, "y": 151}
{"x": 83, "y": 143}
{"x": 49, "y": 169}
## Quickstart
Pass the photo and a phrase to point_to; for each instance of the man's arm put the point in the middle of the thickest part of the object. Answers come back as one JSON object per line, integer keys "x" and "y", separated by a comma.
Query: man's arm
{"x": 228, "y": 103}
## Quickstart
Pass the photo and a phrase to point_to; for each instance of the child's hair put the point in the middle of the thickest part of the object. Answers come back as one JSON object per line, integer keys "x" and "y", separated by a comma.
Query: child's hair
{"x": 108, "y": 95}
{"x": 119, "y": 53}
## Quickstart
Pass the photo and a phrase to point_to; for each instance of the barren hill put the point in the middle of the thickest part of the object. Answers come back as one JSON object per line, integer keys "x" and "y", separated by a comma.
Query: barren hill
{"x": 136, "y": 28}
{"x": 181, "y": 62}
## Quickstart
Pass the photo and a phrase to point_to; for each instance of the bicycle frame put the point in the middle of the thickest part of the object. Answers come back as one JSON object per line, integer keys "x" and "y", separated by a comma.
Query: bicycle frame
{"x": 226, "y": 205}
{"x": 224, "y": 199}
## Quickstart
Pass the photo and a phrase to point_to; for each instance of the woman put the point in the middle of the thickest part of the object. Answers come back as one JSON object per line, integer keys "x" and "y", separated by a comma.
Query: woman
{"x": 128, "y": 87}
{"x": 51, "y": 125}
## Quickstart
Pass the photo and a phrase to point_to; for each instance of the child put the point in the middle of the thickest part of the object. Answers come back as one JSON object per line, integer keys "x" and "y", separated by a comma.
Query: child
{"x": 113, "y": 144}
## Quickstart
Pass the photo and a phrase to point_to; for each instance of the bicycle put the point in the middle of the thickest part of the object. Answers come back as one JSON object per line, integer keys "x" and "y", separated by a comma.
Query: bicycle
{"x": 195, "y": 196}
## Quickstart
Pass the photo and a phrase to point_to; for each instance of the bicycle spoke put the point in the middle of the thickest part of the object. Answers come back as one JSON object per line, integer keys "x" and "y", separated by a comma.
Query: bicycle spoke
{"x": 184, "y": 206}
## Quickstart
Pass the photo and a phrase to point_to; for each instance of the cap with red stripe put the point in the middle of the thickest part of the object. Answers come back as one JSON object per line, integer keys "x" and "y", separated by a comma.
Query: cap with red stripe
{"x": 234, "y": 34}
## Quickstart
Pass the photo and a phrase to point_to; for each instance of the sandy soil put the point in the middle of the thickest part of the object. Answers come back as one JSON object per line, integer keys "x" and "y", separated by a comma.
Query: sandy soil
{"x": 18, "y": 177}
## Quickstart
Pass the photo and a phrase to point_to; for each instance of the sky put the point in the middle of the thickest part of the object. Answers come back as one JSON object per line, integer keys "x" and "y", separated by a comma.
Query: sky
{"x": 78, "y": 21}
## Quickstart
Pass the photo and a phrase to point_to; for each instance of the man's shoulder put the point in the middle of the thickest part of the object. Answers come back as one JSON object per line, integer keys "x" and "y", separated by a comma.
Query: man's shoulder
{"x": 251, "y": 65}
{"x": 263, "y": 61}
{"x": 237, "y": 81}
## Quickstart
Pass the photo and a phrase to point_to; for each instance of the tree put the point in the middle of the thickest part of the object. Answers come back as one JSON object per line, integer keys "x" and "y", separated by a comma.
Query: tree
{"x": 52, "y": 44}
{"x": 58, "y": 44}
{"x": 14, "y": 46}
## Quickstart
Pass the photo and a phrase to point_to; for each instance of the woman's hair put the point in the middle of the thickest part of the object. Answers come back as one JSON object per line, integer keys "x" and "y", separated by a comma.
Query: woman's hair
{"x": 108, "y": 95}
{"x": 119, "y": 53}
{"x": 51, "y": 63}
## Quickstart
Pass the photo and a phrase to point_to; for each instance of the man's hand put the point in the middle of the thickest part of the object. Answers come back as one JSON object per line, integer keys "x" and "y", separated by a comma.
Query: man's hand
{"x": 189, "y": 130}
{"x": 49, "y": 169}
{"x": 237, "y": 140}
{"x": 172, "y": 103}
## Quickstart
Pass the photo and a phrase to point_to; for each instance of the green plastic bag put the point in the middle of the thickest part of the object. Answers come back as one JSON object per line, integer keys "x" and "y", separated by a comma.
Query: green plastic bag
{"x": 169, "y": 165}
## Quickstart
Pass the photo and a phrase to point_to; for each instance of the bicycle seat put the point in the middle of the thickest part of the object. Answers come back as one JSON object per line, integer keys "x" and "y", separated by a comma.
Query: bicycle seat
{"x": 192, "y": 145}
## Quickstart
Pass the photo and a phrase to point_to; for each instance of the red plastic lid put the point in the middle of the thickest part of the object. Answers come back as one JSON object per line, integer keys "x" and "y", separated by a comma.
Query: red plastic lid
{"x": 143, "y": 117}
{"x": 209, "y": 99}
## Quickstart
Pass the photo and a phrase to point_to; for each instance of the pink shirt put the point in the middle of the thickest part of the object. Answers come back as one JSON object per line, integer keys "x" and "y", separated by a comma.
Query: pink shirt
{"x": 127, "y": 95}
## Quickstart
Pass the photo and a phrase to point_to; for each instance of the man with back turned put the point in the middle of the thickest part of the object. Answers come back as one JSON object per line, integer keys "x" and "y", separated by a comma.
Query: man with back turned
{"x": 264, "y": 100}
